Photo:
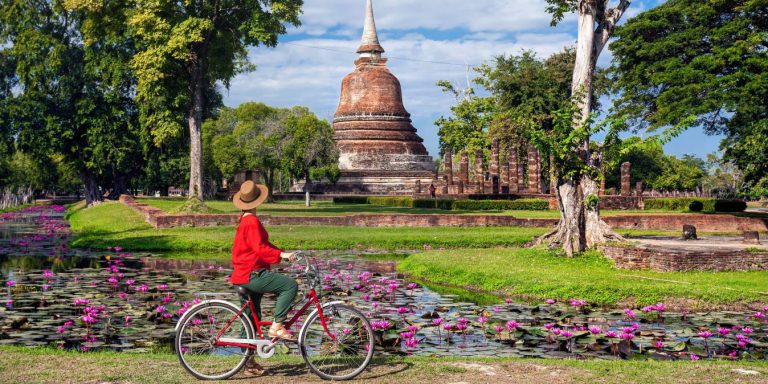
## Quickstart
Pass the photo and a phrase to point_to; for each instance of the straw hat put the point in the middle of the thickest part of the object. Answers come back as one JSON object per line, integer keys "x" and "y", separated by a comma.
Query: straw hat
{"x": 251, "y": 195}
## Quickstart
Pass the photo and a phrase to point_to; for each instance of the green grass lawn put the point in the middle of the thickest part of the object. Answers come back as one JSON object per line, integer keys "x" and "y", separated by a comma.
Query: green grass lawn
{"x": 111, "y": 224}
{"x": 46, "y": 365}
{"x": 328, "y": 208}
{"x": 538, "y": 274}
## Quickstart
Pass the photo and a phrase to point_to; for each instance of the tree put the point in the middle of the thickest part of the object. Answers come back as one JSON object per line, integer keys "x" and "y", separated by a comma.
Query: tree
{"x": 310, "y": 151}
{"x": 646, "y": 156}
{"x": 185, "y": 48}
{"x": 723, "y": 177}
{"x": 467, "y": 128}
{"x": 74, "y": 90}
{"x": 575, "y": 166}
{"x": 699, "y": 63}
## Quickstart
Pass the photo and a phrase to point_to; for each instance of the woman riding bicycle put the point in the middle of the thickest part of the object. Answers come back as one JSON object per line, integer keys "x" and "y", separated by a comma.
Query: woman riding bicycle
{"x": 252, "y": 258}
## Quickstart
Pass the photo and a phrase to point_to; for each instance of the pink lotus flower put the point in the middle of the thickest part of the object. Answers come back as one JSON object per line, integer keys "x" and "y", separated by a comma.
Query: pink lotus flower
{"x": 611, "y": 334}
{"x": 723, "y": 331}
{"x": 411, "y": 343}
{"x": 437, "y": 321}
{"x": 705, "y": 334}
{"x": 695, "y": 358}
{"x": 448, "y": 327}
{"x": 512, "y": 325}
{"x": 508, "y": 301}
{"x": 462, "y": 320}
{"x": 413, "y": 329}
{"x": 118, "y": 249}
{"x": 81, "y": 302}
{"x": 595, "y": 330}
{"x": 403, "y": 310}
{"x": 461, "y": 327}
{"x": 550, "y": 301}
{"x": 630, "y": 314}
{"x": 10, "y": 283}
{"x": 556, "y": 331}
{"x": 406, "y": 335}
{"x": 482, "y": 320}
{"x": 160, "y": 309}
{"x": 747, "y": 330}
{"x": 549, "y": 326}
{"x": 659, "y": 345}
{"x": 412, "y": 286}
{"x": 627, "y": 336}
{"x": 47, "y": 274}
{"x": 498, "y": 328}
{"x": 566, "y": 334}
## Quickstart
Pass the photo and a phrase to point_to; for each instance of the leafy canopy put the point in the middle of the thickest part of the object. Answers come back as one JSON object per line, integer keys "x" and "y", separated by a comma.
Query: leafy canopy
{"x": 699, "y": 63}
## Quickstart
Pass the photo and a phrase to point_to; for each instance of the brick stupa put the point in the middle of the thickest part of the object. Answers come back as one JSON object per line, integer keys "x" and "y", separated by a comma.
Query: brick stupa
{"x": 380, "y": 152}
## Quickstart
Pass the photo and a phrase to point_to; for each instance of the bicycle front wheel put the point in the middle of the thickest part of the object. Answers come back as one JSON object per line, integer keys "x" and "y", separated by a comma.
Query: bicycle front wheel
{"x": 196, "y": 335}
{"x": 342, "y": 351}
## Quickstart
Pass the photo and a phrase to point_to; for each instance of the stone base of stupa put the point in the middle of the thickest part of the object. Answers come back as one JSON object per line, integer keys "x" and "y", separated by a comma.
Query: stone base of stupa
{"x": 372, "y": 183}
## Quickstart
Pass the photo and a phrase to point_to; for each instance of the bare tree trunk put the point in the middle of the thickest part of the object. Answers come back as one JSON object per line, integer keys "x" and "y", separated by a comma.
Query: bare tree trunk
{"x": 196, "y": 139}
{"x": 569, "y": 233}
{"x": 92, "y": 194}
{"x": 580, "y": 225}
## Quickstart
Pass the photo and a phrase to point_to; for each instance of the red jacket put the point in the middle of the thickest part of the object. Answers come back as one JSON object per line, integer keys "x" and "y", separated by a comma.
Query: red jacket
{"x": 252, "y": 250}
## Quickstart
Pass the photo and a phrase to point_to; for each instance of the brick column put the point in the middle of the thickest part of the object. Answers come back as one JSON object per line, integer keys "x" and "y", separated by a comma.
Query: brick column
{"x": 464, "y": 169}
{"x": 534, "y": 172}
{"x": 479, "y": 171}
{"x": 495, "y": 179}
{"x": 625, "y": 176}
{"x": 514, "y": 176}
{"x": 448, "y": 167}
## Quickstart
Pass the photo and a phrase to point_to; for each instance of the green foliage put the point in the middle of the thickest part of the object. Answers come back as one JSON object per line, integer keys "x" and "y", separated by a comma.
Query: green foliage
{"x": 689, "y": 203}
{"x": 730, "y": 206}
{"x": 311, "y": 149}
{"x": 696, "y": 206}
{"x": 651, "y": 166}
{"x": 701, "y": 61}
{"x": 501, "y": 205}
{"x": 350, "y": 200}
{"x": 393, "y": 201}
{"x": 75, "y": 89}
{"x": 467, "y": 128}
{"x": 254, "y": 136}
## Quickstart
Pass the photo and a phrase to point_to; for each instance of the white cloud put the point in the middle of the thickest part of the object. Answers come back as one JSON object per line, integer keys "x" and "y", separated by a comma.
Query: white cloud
{"x": 308, "y": 65}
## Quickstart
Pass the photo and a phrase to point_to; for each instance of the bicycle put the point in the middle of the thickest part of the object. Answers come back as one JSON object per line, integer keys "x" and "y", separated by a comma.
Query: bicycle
{"x": 215, "y": 338}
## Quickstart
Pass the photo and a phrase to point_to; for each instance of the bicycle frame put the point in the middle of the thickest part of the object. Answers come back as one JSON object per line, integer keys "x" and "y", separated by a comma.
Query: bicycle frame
{"x": 311, "y": 298}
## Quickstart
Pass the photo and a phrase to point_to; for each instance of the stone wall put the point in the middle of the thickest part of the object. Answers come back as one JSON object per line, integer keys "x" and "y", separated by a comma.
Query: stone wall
{"x": 159, "y": 219}
{"x": 669, "y": 260}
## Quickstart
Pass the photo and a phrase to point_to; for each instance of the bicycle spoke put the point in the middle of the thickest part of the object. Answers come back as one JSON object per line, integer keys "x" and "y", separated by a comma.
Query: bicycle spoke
{"x": 195, "y": 344}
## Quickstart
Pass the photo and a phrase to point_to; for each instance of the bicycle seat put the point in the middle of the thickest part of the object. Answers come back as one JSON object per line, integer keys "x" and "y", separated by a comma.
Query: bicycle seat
{"x": 244, "y": 293}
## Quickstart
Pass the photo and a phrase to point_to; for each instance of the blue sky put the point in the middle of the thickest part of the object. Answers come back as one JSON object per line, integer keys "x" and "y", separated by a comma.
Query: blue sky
{"x": 426, "y": 41}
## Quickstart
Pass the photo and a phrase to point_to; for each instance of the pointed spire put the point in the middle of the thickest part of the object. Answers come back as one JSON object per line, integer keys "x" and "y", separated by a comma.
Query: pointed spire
{"x": 370, "y": 44}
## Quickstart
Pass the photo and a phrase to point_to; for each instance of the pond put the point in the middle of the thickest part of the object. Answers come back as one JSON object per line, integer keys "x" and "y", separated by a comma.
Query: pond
{"x": 117, "y": 300}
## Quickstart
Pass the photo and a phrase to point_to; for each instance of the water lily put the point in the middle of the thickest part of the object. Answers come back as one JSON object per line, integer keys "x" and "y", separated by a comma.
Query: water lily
{"x": 10, "y": 283}
{"x": 695, "y": 357}
{"x": 595, "y": 330}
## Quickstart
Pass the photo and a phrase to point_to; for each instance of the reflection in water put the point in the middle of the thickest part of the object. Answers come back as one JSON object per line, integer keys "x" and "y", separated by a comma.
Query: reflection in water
{"x": 112, "y": 299}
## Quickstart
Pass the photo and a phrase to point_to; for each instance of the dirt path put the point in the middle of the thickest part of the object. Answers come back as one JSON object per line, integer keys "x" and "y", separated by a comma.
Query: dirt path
{"x": 48, "y": 366}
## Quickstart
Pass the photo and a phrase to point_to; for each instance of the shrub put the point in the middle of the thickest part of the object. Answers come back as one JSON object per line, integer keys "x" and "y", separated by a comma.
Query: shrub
{"x": 392, "y": 201}
{"x": 445, "y": 204}
{"x": 696, "y": 206}
{"x": 730, "y": 206}
{"x": 351, "y": 200}
{"x": 501, "y": 205}
{"x": 693, "y": 203}
{"x": 425, "y": 203}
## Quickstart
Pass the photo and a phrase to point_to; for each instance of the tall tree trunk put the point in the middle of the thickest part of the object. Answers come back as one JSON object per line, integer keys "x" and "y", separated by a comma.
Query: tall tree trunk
{"x": 92, "y": 194}
{"x": 580, "y": 225}
{"x": 269, "y": 178}
{"x": 196, "y": 143}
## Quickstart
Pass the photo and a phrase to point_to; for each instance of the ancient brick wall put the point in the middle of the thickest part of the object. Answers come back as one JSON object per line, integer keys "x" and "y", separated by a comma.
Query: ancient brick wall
{"x": 668, "y": 260}
{"x": 160, "y": 219}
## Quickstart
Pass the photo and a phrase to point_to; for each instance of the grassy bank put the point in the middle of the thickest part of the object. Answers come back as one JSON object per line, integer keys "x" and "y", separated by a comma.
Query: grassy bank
{"x": 111, "y": 224}
{"x": 16, "y": 208}
{"x": 539, "y": 274}
{"x": 44, "y": 365}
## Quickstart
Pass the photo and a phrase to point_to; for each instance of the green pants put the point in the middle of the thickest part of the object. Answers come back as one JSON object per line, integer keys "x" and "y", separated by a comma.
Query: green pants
{"x": 269, "y": 282}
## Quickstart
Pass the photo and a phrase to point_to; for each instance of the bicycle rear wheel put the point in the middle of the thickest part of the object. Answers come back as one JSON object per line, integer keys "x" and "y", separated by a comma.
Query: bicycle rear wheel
{"x": 347, "y": 353}
{"x": 195, "y": 341}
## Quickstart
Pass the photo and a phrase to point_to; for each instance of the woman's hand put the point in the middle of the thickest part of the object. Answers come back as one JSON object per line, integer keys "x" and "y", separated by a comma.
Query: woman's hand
{"x": 288, "y": 256}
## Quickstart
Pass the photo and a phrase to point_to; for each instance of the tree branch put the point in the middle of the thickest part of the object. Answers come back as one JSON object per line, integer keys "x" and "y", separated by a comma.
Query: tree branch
{"x": 608, "y": 25}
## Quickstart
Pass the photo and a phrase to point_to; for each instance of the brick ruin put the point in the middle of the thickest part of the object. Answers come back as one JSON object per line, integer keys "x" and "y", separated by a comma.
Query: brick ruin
{"x": 380, "y": 151}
